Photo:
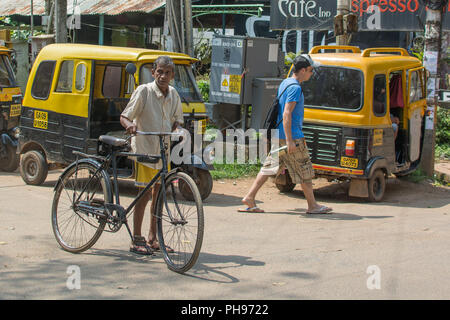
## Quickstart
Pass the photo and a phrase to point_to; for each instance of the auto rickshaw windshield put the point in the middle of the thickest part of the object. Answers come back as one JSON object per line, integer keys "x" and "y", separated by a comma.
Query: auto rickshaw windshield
{"x": 183, "y": 81}
{"x": 333, "y": 87}
{"x": 6, "y": 78}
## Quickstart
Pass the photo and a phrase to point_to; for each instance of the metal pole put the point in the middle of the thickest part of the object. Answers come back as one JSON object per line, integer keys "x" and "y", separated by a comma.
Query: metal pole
{"x": 101, "y": 28}
{"x": 432, "y": 52}
{"x": 223, "y": 20}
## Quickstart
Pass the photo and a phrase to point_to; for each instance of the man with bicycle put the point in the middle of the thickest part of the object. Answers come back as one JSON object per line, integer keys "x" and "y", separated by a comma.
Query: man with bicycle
{"x": 154, "y": 106}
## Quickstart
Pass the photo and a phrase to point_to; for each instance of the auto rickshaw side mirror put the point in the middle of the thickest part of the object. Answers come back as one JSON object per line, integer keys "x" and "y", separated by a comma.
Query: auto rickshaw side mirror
{"x": 130, "y": 68}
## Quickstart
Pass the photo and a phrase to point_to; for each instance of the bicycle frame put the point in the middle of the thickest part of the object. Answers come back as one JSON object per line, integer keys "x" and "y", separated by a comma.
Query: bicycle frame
{"x": 111, "y": 161}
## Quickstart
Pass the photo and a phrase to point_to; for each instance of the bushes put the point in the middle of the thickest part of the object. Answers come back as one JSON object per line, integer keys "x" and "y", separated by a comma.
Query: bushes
{"x": 203, "y": 86}
{"x": 443, "y": 133}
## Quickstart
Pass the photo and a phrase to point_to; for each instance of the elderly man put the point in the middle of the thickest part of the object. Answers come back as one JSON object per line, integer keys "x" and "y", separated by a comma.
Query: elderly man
{"x": 154, "y": 106}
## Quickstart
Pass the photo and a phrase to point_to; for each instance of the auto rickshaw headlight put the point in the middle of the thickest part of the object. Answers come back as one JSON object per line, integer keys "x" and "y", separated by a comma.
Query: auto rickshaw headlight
{"x": 350, "y": 148}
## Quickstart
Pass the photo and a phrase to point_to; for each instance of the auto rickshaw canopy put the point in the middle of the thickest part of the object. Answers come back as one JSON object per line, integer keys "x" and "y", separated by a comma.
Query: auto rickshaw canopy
{"x": 95, "y": 52}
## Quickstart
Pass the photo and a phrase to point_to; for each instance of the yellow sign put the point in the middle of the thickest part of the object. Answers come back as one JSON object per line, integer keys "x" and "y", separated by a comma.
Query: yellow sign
{"x": 225, "y": 83}
{"x": 235, "y": 83}
{"x": 349, "y": 162}
{"x": 378, "y": 137}
{"x": 40, "y": 119}
{"x": 15, "y": 110}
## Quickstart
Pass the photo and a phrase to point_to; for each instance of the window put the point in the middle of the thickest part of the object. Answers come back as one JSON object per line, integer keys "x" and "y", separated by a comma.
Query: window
{"x": 183, "y": 81}
{"x": 43, "y": 80}
{"x": 112, "y": 81}
{"x": 65, "y": 77}
{"x": 416, "y": 88}
{"x": 80, "y": 77}
{"x": 379, "y": 95}
{"x": 334, "y": 88}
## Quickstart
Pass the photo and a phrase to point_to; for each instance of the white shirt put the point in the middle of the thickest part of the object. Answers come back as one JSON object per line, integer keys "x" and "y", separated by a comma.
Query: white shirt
{"x": 150, "y": 110}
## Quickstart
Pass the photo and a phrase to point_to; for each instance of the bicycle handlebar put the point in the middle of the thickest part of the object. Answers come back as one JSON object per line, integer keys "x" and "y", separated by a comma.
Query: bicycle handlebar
{"x": 158, "y": 133}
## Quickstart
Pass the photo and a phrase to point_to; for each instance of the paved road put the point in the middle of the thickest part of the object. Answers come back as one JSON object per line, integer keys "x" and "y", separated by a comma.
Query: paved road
{"x": 396, "y": 249}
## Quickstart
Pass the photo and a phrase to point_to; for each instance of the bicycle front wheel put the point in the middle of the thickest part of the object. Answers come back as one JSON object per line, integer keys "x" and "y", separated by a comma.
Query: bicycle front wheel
{"x": 180, "y": 223}
{"x": 78, "y": 221}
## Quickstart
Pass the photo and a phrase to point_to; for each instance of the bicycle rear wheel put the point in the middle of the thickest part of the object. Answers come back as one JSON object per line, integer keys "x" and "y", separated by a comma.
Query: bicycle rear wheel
{"x": 180, "y": 223}
{"x": 77, "y": 221}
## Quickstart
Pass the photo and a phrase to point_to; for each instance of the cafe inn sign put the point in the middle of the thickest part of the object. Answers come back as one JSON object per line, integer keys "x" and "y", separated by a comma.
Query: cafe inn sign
{"x": 386, "y": 15}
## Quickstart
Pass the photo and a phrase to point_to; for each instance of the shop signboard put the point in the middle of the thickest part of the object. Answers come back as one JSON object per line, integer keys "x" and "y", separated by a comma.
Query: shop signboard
{"x": 373, "y": 15}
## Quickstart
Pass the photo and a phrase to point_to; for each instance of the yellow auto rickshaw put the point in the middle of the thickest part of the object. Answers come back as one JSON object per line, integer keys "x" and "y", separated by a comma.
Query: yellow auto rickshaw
{"x": 76, "y": 92}
{"x": 10, "y": 106}
{"x": 353, "y": 104}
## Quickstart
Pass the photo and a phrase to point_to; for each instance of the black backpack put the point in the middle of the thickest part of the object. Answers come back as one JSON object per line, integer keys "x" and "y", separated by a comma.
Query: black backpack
{"x": 271, "y": 119}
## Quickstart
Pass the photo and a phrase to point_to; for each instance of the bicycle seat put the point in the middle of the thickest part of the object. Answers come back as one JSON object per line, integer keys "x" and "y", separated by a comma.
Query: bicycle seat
{"x": 148, "y": 159}
{"x": 114, "y": 141}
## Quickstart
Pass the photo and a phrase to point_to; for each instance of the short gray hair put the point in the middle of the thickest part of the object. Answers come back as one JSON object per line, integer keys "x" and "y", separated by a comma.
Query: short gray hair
{"x": 163, "y": 61}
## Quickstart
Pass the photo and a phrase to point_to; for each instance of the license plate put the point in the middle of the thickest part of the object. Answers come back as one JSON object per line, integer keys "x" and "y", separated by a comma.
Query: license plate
{"x": 201, "y": 126}
{"x": 40, "y": 119}
{"x": 15, "y": 110}
{"x": 349, "y": 162}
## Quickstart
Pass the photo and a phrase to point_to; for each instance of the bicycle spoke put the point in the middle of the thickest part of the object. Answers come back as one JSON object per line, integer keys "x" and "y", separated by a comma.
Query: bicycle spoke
{"x": 76, "y": 229}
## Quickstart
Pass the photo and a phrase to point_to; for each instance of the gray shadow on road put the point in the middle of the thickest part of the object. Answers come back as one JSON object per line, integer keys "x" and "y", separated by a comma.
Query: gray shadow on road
{"x": 202, "y": 270}
{"x": 397, "y": 194}
{"x": 303, "y": 275}
{"x": 223, "y": 200}
{"x": 329, "y": 216}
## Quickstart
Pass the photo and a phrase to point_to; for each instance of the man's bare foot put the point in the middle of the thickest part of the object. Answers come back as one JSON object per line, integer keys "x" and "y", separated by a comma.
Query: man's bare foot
{"x": 249, "y": 202}
{"x": 319, "y": 209}
{"x": 251, "y": 206}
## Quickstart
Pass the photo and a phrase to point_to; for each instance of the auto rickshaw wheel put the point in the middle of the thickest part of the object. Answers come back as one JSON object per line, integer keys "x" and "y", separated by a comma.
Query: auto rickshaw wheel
{"x": 10, "y": 160}
{"x": 33, "y": 168}
{"x": 288, "y": 186}
{"x": 204, "y": 183}
{"x": 377, "y": 186}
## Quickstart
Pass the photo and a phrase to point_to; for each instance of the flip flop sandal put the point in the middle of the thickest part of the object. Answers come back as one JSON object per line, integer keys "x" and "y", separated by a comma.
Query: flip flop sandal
{"x": 252, "y": 209}
{"x": 320, "y": 210}
{"x": 168, "y": 249}
{"x": 140, "y": 246}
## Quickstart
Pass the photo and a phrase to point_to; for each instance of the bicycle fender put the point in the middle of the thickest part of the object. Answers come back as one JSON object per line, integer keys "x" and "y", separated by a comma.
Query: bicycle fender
{"x": 197, "y": 162}
{"x": 73, "y": 164}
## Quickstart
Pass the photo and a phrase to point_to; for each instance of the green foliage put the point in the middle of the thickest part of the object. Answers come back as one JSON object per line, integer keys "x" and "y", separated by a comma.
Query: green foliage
{"x": 234, "y": 171}
{"x": 203, "y": 85}
{"x": 443, "y": 127}
{"x": 20, "y": 34}
{"x": 203, "y": 52}
{"x": 289, "y": 58}
{"x": 442, "y": 149}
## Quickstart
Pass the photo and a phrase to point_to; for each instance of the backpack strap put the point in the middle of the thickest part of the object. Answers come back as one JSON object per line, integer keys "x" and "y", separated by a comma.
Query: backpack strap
{"x": 278, "y": 97}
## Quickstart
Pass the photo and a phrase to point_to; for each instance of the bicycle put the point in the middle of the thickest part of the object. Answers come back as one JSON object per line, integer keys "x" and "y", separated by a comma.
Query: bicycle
{"x": 86, "y": 199}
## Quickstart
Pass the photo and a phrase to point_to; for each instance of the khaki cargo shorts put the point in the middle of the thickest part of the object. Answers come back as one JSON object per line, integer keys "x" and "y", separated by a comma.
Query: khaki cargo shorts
{"x": 297, "y": 163}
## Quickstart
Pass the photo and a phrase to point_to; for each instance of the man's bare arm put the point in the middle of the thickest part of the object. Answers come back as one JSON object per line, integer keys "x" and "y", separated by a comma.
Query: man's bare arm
{"x": 129, "y": 126}
{"x": 287, "y": 125}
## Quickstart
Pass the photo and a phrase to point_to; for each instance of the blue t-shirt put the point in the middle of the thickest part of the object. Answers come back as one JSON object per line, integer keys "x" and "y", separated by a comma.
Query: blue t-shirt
{"x": 293, "y": 93}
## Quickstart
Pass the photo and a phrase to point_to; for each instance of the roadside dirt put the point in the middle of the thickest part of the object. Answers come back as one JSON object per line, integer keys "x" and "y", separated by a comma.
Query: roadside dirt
{"x": 398, "y": 191}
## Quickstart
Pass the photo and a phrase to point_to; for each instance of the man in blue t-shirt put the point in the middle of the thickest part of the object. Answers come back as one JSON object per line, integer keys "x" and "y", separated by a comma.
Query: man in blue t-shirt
{"x": 296, "y": 159}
